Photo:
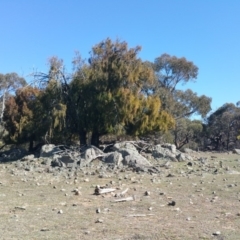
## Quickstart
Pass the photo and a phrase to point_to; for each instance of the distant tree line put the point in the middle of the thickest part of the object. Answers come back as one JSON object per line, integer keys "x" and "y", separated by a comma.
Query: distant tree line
{"x": 114, "y": 92}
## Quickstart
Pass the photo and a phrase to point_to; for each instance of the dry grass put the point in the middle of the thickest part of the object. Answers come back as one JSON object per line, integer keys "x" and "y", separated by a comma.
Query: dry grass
{"x": 205, "y": 203}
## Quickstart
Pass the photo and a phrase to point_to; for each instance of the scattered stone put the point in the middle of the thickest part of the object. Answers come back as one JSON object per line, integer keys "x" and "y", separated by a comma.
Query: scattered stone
{"x": 60, "y": 211}
{"x": 99, "y": 220}
{"x": 20, "y": 208}
{"x": 45, "y": 229}
{"x": 98, "y": 210}
{"x": 216, "y": 233}
{"x": 172, "y": 203}
{"x": 147, "y": 193}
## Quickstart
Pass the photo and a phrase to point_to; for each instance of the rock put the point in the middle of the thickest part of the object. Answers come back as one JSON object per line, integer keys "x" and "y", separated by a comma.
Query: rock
{"x": 98, "y": 210}
{"x": 60, "y": 211}
{"x": 28, "y": 157}
{"x": 135, "y": 159}
{"x": 124, "y": 145}
{"x": 188, "y": 150}
{"x": 160, "y": 152}
{"x": 236, "y": 151}
{"x": 12, "y": 154}
{"x": 48, "y": 150}
{"x": 130, "y": 155}
{"x": 181, "y": 157}
{"x": 90, "y": 154}
{"x": 172, "y": 203}
{"x": 57, "y": 163}
{"x": 45, "y": 229}
{"x": 63, "y": 161}
{"x": 171, "y": 147}
{"x": 115, "y": 158}
{"x": 147, "y": 193}
{"x": 99, "y": 220}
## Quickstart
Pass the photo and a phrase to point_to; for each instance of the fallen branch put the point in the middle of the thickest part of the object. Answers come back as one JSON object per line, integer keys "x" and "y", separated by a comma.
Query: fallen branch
{"x": 139, "y": 215}
{"x": 99, "y": 191}
{"x": 124, "y": 199}
{"x": 123, "y": 192}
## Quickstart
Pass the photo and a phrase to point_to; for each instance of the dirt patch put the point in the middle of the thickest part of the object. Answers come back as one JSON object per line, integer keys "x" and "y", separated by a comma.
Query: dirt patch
{"x": 44, "y": 205}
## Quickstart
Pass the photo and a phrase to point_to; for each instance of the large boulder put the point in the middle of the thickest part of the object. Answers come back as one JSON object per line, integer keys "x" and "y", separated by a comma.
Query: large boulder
{"x": 171, "y": 147}
{"x": 130, "y": 154}
{"x": 90, "y": 154}
{"x": 115, "y": 158}
{"x": 181, "y": 157}
{"x": 48, "y": 150}
{"x": 160, "y": 152}
{"x": 123, "y": 145}
{"x": 63, "y": 161}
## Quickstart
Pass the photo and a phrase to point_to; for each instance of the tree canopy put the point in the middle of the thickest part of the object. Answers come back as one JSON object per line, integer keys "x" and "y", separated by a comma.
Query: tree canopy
{"x": 113, "y": 91}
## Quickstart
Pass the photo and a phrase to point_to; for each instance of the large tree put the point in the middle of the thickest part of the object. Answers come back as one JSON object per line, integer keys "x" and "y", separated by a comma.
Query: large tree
{"x": 110, "y": 93}
{"x": 9, "y": 83}
{"x": 23, "y": 117}
{"x": 181, "y": 104}
{"x": 223, "y": 127}
{"x": 172, "y": 71}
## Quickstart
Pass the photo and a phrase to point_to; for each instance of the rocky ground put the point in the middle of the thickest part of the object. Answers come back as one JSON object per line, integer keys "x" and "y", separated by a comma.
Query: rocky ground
{"x": 132, "y": 192}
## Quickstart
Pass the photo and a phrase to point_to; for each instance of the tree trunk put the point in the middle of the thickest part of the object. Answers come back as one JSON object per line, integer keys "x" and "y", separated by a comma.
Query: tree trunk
{"x": 30, "y": 149}
{"x": 83, "y": 138}
{"x": 95, "y": 139}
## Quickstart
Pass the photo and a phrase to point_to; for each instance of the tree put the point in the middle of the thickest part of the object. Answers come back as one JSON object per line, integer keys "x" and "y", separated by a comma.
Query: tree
{"x": 223, "y": 126}
{"x": 8, "y": 84}
{"x": 23, "y": 116}
{"x": 187, "y": 131}
{"x": 57, "y": 100}
{"x": 182, "y": 105}
{"x": 110, "y": 96}
{"x": 172, "y": 70}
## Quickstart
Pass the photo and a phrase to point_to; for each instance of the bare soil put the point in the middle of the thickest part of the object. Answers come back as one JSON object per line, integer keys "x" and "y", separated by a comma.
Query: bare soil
{"x": 43, "y": 205}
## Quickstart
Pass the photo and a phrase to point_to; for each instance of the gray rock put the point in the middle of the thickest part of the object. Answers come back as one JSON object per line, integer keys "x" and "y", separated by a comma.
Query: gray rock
{"x": 136, "y": 159}
{"x": 188, "y": 150}
{"x": 183, "y": 157}
{"x": 48, "y": 150}
{"x": 160, "y": 152}
{"x": 236, "y": 151}
{"x": 171, "y": 147}
{"x": 28, "y": 157}
{"x": 124, "y": 145}
{"x": 115, "y": 158}
{"x": 91, "y": 154}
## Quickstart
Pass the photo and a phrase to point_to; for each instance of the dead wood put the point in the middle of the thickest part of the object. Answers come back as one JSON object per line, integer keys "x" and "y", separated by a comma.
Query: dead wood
{"x": 124, "y": 199}
{"x": 99, "y": 190}
{"x": 139, "y": 215}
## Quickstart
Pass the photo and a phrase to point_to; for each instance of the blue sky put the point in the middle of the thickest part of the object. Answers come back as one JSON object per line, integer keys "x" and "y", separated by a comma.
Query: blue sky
{"x": 206, "y": 32}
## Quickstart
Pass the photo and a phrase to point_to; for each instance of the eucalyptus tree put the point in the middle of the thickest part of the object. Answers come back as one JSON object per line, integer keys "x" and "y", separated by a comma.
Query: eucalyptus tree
{"x": 223, "y": 127}
{"x": 171, "y": 72}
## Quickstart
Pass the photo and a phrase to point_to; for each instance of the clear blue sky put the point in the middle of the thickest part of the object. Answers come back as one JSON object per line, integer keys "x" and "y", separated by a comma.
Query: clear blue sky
{"x": 206, "y": 32}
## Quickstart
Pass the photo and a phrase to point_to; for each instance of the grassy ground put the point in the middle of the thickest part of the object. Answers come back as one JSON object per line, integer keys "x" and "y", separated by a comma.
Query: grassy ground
{"x": 37, "y": 205}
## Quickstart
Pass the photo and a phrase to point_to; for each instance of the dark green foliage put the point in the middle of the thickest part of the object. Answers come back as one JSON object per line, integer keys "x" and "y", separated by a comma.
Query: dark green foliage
{"x": 110, "y": 93}
{"x": 223, "y": 127}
